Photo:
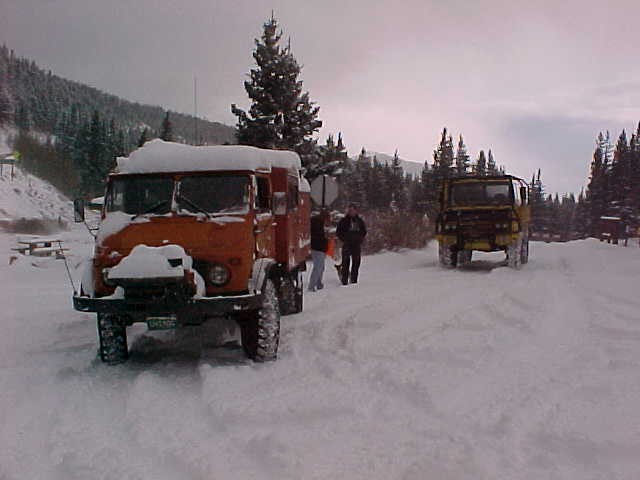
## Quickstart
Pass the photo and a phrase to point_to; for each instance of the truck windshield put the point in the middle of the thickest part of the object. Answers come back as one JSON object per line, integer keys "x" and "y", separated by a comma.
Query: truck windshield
{"x": 214, "y": 193}
{"x": 139, "y": 195}
{"x": 480, "y": 193}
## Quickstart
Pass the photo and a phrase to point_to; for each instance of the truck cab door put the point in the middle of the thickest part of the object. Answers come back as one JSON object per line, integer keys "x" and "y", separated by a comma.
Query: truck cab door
{"x": 263, "y": 224}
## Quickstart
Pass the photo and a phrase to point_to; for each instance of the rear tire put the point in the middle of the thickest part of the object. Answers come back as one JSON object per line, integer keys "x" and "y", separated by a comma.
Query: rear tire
{"x": 112, "y": 337}
{"x": 447, "y": 255}
{"x": 260, "y": 330}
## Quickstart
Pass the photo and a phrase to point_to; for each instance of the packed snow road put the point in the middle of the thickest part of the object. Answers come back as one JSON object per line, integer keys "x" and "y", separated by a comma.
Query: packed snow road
{"x": 415, "y": 373}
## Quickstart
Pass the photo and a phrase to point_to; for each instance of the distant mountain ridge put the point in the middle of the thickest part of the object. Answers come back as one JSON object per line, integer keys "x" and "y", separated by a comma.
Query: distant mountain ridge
{"x": 42, "y": 99}
{"x": 409, "y": 166}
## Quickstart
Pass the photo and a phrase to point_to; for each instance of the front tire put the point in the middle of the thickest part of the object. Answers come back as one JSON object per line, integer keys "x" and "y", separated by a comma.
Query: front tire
{"x": 464, "y": 258}
{"x": 261, "y": 330}
{"x": 112, "y": 338}
{"x": 514, "y": 254}
{"x": 524, "y": 250}
{"x": 447, "y": 255}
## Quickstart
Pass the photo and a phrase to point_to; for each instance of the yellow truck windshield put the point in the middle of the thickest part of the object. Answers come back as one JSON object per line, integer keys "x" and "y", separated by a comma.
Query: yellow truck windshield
{"x": 480, "y": 193}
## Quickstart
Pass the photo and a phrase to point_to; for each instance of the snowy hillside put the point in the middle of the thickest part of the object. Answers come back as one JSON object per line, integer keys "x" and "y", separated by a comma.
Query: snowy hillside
{"x": 409, "y": 167}
{"x": 416, "y": 373}
{"x": 27, "y": 196}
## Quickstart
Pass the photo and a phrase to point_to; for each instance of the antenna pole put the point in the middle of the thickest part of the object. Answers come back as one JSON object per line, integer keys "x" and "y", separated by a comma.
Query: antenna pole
{"x": 195, "y": 110}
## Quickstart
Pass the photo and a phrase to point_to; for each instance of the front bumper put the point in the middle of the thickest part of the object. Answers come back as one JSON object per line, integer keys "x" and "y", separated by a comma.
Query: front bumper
{"x": 206, "y": 306}
{"x": 488, "y": 243}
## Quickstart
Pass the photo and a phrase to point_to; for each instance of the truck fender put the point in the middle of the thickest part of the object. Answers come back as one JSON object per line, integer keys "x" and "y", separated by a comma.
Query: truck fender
{"x": 262, "y": 269}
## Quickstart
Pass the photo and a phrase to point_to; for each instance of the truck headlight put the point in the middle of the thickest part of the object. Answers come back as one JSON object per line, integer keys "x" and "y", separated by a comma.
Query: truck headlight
{"x": 218, "y": 274}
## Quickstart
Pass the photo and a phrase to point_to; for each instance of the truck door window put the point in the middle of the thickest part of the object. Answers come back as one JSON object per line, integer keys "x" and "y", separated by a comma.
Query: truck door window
{"x": 214, "y": 193}
{"x": 292, "y": 197}
{"x": 263, "y": 194}
{"x": 516, "y": 194}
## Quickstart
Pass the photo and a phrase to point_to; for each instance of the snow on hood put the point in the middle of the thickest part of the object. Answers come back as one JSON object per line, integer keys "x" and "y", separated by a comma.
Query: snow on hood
{"x": 151, "y": 262}
{"x": 113, "y": 222}
{"x": 158, "y": 156}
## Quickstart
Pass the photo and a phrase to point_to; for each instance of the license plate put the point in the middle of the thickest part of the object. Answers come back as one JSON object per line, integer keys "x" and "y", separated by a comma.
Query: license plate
{"x": 162, "y": 323}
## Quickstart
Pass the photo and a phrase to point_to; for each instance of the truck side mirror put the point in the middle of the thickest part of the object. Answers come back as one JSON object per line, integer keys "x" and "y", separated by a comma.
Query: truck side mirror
{"x": 524, "y": 196}
{"x": 279, "y": 203}
{"x": 78, "y": 210}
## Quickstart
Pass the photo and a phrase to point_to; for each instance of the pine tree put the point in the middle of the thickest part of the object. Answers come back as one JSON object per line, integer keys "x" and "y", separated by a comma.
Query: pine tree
{"x": 166, "y": 133}
{"x": 6, "y": 108}
{"x": 443, "y": 157}
{"x": 144, "y": 137}
{"x": 397, "y": 184}
{"x": 481, "y": 165}
{"x": 327, "y": 159}
{"x": 492, "y": 169}
{"x": 462, "y": 159}
{"x": 281, "y": 115}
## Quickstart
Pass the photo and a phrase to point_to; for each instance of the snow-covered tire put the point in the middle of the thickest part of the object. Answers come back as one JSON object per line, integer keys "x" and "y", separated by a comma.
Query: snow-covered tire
{"x": 448, "y": 256}
{"x": 514, "y": 254}
{"x": 464, "y": 258}
{"x": 261, "y": 329}
{"x": 112, "y": 338}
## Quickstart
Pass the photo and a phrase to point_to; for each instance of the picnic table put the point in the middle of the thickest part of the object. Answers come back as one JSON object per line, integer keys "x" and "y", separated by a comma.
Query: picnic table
{"x": 40, "y": 247}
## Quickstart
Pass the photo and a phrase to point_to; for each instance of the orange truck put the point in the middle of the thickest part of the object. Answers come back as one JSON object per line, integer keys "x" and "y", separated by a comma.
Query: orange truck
{"x": 194, "y": 233}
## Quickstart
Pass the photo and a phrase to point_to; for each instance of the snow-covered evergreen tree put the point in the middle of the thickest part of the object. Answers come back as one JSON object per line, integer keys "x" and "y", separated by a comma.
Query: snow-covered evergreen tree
{"x": 492, "y": 169}
{"x": 481, "y": 165}
{"x": 462, "y": 159}
{"x": 281, "y": 115}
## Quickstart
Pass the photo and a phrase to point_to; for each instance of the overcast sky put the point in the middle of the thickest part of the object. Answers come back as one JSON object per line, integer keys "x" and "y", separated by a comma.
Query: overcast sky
{"x": 533, "y": 80}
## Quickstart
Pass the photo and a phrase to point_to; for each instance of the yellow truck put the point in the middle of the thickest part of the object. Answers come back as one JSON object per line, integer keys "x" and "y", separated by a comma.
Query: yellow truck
{"x": 487, "y": 214}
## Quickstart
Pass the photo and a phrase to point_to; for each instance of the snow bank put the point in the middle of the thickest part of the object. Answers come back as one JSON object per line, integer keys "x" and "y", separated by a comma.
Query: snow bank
{"x": 158, "y": 156}
{"x": 29, "y": 197}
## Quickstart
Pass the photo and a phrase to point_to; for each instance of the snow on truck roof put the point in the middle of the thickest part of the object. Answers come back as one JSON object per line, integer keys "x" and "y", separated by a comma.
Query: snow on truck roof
{"x": 158, "y": 156}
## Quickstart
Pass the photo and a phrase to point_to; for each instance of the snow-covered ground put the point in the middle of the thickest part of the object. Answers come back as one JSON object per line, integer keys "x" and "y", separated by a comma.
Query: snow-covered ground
{"x": 415, "y": 373}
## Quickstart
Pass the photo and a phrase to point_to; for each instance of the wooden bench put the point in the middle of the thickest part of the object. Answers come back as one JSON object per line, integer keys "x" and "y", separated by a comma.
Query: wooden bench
{"x": 40, "y": 247}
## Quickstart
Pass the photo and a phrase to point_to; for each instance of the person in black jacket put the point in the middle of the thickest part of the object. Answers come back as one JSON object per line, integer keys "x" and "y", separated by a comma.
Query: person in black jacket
{"x": 351, "y": 231}
{"x": 319, "y": 246}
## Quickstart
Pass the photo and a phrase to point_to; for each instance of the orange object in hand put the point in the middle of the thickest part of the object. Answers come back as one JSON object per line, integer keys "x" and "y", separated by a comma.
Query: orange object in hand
{"x": 331, "y": 247}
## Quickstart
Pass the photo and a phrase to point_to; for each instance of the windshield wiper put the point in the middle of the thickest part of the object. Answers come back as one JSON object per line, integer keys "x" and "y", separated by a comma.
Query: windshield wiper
{"x": 181, "y": 197}
{"x": 151, "y": 209}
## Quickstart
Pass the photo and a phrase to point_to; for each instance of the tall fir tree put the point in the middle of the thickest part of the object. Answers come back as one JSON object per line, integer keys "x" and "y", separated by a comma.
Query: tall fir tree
{"x": 462, "y": 159}
{"x": 492, "y": 168}
{"x": 443, "y": 157}
{"x": 481, "y": 165}
{"x": 281, "y": 115}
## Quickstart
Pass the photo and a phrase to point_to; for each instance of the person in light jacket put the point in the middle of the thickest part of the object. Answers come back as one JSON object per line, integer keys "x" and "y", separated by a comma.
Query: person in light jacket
{"x": 319, "y": 246}
{"x": 351, "y": 231}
